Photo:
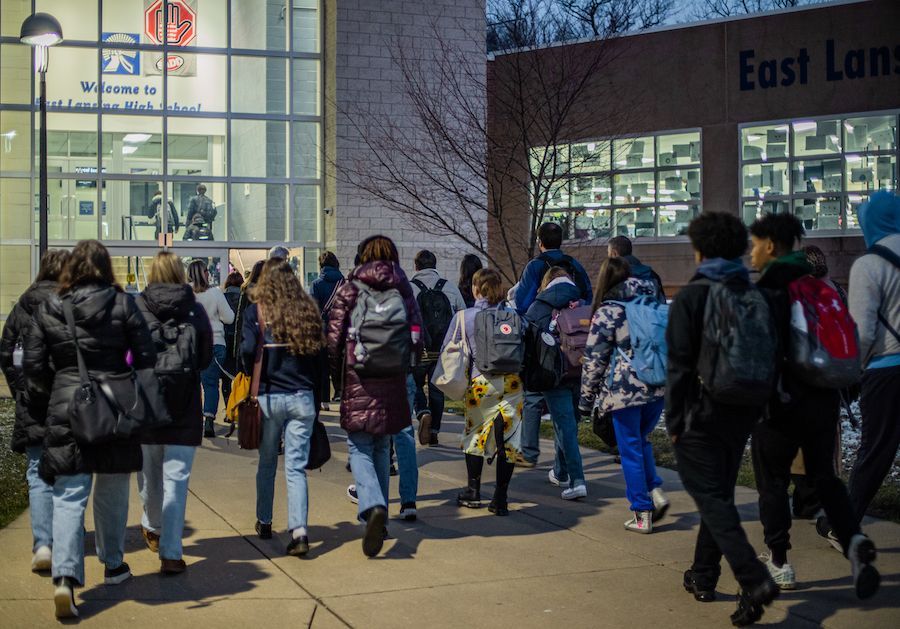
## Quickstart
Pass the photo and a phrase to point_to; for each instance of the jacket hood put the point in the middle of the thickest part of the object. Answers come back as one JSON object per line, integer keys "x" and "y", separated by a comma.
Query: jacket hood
{"x": 880, "y": 216}
{"x": 632, "y": 288}
{"x": 559, "y": 295}
{"x": 430, "y": 273}
{"x": 784, "y": 270}
{"x": 92, "y": 303}
{"x": 232, "y": 290}
{"x": 331, "y": 274}
{"x": 169, "y": 301}
{"x": 639, "y": 269}
{"x": 36, "y": 294}
{"x": 720, "y": 269}
{"x": 379, "y": 275}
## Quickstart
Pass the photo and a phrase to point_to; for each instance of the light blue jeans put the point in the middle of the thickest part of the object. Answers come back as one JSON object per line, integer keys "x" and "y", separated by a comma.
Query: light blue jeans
{"x": 40, "y": 499}
{"x": 632, "y": 426}
{"x": 290, "y": 414}
{"x": 405, "y": 447}
{"x": 70, "y": 496}
{"x": 163, "y": 485}
{"x": 568, "y": 466}
{"x": 370, "y": 462}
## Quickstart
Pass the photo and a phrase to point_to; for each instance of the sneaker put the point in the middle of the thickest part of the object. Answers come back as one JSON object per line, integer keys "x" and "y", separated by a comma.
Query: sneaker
{"x": 470, "y": 498}
{"x": 152, "y": 539}
{"x": 424, "y": 432}
{"x": 42, "y": 559}
{"x": 660, "y": 504}
{"x": 574, "y": 493}
{"x": 326, "y": 407}
{"x": 861, "y": 554}
{"x": 702, "y": 594}
{"x": 64, "y": 598}
{"x": 373, "y": 540}
{"x": 433, "y": 440}
{"x": 523, "y": 462}
{"x": 209, "y": 429}
{"x": 751, "y": 602}
{"x": 784, "y": 576}
{"x": 264, "y": 530}
{"x": 117, "y": 575}
{"x": 640, "y": 522}
{"x": 408, "y": 512}
{"x": 172, "y": 566}
{"x": 298, "y": 546}
{"x": 823, "y": 528}
{"x": 501, "y": 509}
{"x": 352, "y": 495}
{"x": 551, "y": 476}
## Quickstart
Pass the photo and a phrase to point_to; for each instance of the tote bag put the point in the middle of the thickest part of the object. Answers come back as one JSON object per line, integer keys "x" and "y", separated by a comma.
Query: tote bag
{"x": 451, "y": 374}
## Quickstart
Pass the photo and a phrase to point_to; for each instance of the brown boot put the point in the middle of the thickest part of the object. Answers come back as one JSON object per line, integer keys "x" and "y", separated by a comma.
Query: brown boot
{"x": 172, "y": 566}
{"x": 152, "y": 539}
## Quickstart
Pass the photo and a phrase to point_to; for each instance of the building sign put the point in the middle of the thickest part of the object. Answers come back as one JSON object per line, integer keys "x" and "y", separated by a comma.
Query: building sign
{"x": 121, "y": 61}
{"x": 174, "y": 22}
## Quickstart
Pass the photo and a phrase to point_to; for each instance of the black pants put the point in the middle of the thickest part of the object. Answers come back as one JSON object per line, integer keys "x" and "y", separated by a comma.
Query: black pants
{"x": 433, "y": 401}
{"x": 709, "y": 458}
{"x": 475, "y": 465}
{"x": 811, "y": 426}
{"x": 879, "y": 404}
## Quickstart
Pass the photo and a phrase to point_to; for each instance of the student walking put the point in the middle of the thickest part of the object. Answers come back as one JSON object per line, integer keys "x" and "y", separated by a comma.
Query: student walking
{"x": 373, "y": 329}
{"x": 219, "y": 312}
{"x": 287, "y": 322}
{"x": 468, "y": 266}
{"x": 621, "y": 247}
{"x": 610, "y": 384}
{"x": 28, "y": 430}
{"x": 493, "y": 405}
{"x": 107, "y": 324}
{"x": 801, "y": 416}
{"x": 322, "y": 289}
{"x": 232, "y": 292}
{"x": 709, "y": 420}
{"x": 182, "y": 336}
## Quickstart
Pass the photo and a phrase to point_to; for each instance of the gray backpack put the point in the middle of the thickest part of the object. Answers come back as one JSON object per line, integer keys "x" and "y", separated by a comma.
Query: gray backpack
{"x": 379, "y": 339}
{"x": 499, "y": 341}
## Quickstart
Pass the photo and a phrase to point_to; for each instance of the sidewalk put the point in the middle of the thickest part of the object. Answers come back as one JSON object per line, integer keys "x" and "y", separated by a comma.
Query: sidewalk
{"x": 549, "y": 564}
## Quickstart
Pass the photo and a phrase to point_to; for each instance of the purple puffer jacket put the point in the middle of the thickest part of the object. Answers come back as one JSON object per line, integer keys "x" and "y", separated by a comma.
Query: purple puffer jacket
{"x": 375, "y": 405}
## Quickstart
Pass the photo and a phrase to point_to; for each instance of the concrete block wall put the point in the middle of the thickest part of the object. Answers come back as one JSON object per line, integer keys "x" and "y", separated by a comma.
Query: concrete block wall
{"x": 366, "y": 78}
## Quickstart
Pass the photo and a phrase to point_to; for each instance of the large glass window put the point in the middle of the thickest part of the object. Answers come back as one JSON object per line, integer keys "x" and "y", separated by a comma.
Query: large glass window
{"x": 639, "y": 187}
{"x": 819, "y": 169}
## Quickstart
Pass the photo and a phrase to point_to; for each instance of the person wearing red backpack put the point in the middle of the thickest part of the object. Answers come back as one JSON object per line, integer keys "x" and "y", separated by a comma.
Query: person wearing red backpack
{"x": 802, "y": 415}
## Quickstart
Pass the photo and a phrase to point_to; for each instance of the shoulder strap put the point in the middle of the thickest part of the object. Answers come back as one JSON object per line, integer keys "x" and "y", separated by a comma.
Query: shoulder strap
{"x": 421, "y": 285}
{"x": 439, "y": 286}
{"x": 883, "y": 252}
{"x": 331, "y": 298}
{"x": 257, "y": 363}
{"x": 70, "y": 321}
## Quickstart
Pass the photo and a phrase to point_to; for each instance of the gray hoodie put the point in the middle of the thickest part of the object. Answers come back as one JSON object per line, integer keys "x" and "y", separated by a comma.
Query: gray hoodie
{"x": 430, "y": 277}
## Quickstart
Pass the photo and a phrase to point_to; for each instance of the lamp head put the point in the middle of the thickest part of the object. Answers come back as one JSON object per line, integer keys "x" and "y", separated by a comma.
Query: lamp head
{"x": 41, "y": 29}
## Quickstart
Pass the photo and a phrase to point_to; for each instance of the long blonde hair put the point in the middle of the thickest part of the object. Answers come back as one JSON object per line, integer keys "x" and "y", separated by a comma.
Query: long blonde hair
{"x": 290, "y": 313}
{"x": 166, "y": 269}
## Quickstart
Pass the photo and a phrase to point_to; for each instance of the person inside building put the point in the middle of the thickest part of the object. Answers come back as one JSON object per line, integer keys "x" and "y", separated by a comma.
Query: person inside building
{"x": 800, "y": 416}
{"x": 201, "y": 214}
{"x": 621, "y": 247}
{"x": 155, "y": 212}
{"x": 438, "y": 301}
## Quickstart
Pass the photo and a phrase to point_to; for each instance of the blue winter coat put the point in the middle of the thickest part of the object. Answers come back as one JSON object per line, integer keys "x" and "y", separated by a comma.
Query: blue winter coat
{"x": 556, "y": 297}
{"x": 323, "y": 286}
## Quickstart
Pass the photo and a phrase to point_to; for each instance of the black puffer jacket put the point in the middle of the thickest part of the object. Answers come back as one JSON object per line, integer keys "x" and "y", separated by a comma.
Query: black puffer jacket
{"x": 108, "y": 324}
{"x": 160, "y": 303}
{"x": 29, "y": 426}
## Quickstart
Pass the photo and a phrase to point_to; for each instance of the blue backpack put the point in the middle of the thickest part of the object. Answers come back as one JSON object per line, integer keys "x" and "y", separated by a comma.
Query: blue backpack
{"x": 647, "y": 321}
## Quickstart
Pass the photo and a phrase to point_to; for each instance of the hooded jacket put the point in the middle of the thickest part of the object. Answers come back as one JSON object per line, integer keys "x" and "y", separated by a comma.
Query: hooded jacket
{"x": 527, "y": 287}
{"x": 29, "y": 425}
{"x": 430, "y": 278}
{"x": 557, "y": 296}
{"x": 108, "y": 324}
{"x": 158, "y": 304}
{"x": 609, "y": 334}
{"x": 875, "y": 283}
{"x": 375, "y": 405}
{"x": 643, "y": 272}
{"x": 323, "y": 286}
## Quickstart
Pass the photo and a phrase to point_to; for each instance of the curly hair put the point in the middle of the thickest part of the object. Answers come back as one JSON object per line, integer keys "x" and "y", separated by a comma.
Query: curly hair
{"x": 290, "y": 313}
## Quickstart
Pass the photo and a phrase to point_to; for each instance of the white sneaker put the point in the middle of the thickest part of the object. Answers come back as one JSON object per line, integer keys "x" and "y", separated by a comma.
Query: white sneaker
{"x": 42, "y": 559}
{"x": 660, "y": 504}
{"x": 64, "y": 599}
{"x": 784, "y": 576}
{"x": 552, "y": 478}
{"x": 574, "y": 493}
{"x": 640, "y": 522}
{"x": 352, "y": 495}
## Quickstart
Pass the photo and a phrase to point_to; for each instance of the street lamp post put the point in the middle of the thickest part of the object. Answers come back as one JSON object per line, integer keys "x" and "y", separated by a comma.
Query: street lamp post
{"x": 42, "y": 30}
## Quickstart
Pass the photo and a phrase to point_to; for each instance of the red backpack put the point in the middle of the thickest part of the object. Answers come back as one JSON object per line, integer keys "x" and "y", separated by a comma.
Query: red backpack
{"x": 823, "y": 349}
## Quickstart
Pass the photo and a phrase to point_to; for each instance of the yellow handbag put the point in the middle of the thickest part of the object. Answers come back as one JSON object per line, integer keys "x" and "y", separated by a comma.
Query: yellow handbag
{"x": 240, "y": 391}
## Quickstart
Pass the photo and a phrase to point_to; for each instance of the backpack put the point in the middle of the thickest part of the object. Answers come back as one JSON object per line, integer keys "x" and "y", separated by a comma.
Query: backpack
{"x": 499, "y": 343}
{"x": 567, "y": 263}
{"x": 736, "y": 364}
{"x": 379, "y": 334}
{"x": 437, "y": 313}
{"x": 543, "y": 365}
{"x": 647, "y": 321}
{"x": 823, "y": 345}
{"x": 573, "y": 326}
{"x": 886, "y": 254}
{"x": 206, "y": 212}
{"x": 176, "y": 358}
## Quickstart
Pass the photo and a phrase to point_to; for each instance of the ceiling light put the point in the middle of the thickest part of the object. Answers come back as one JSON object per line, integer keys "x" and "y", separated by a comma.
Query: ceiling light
{"x": 128, "y": 150}
{"x": 136, "y": 138}
{"x": 802, "y": 127}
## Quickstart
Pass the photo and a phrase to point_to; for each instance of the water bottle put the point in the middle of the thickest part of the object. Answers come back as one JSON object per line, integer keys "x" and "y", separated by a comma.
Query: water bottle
{"x": 18, "y": 354}
{"x": 415, "y": 334}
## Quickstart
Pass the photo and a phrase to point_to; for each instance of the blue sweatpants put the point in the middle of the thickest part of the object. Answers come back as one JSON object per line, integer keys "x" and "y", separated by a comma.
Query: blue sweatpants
{"x": 632, "y": 426}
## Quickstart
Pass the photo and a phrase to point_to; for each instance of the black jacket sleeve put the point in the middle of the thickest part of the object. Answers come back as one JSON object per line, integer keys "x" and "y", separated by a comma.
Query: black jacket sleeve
{"x": 683, "y": 337}
{"x": 249, "y": 339}
{"x": 36, "y": 361}
{"x": 12, "y": 330}
{"x": 143, "y": 351}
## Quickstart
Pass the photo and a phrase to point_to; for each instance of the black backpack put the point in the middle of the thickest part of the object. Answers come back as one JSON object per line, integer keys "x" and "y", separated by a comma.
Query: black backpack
{"x": 737, "y": 357}
{"x": 543, "y": 367}
{"x": 437, "y": 313}
{"x": 567, "y": 263}
{"x": 176, "y": 358}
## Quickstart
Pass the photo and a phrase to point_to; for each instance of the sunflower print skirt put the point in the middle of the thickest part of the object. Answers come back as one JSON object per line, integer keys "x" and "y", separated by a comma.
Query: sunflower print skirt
{"x": 489, "y": 399}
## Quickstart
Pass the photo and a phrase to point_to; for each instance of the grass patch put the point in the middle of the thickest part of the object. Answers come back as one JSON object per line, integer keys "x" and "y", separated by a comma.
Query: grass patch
{"x": 13, "y": 488}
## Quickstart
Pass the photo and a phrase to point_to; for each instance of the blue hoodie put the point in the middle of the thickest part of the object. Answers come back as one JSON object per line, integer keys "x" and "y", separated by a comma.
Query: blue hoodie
{"x": 556, "y": 297}
{"x": 322, "y": 287}
{"x": 880, "y": 216}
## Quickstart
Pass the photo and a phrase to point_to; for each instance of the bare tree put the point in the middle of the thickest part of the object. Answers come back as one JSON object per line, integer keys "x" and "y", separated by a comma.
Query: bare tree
{"x": 602, "y": 18}
{"x": 706, "y": 9}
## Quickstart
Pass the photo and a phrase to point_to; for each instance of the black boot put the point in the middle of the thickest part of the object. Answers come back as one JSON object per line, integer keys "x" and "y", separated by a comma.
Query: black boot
{"x": 471, "y": 496}
{"x": 499, "y": 504}
{"x": 208, "y": 428}
{"x": 702, "y": 593}
{"x": 751, "y": 603}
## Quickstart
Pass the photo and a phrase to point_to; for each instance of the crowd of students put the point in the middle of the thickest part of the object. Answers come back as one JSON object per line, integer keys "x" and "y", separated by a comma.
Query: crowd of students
{"x": 717, "y": 361}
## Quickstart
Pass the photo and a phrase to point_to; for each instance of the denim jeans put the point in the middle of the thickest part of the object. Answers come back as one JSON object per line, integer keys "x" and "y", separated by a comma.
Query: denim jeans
{"x": 561, "y": 402}
{"x": 370, "y": 463}
{"x": 290, "y": 414}
{"x": 163, "y": 485}
{"x": 632, "y": 426}
{"x": 433, "y": 402}
{"x": 531, "y": 426}
{"x": 405, "y": 448}
{"x": 40, "y": 500}
{"x": 209, "y": 378}
{"x": 70, "y": 496}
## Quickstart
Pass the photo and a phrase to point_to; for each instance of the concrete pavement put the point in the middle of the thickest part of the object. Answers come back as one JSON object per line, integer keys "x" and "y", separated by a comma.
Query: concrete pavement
{"x": 549, "y": 564}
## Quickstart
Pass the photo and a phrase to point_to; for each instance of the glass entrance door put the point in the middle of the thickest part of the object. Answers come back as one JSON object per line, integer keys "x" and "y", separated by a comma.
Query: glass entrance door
{"x": 131, "y": 265}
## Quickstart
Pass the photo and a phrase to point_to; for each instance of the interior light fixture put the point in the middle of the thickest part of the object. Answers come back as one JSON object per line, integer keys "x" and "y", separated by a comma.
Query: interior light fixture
{"x": 802, "y": 127}
{"x": 753, "y": 137}
{"x": 136, "y": 138}
{"x": 128, "y": 150}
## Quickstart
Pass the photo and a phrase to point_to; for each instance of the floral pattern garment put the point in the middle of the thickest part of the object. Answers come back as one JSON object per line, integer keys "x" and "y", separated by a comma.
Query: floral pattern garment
{"x": 487, "y": 399}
